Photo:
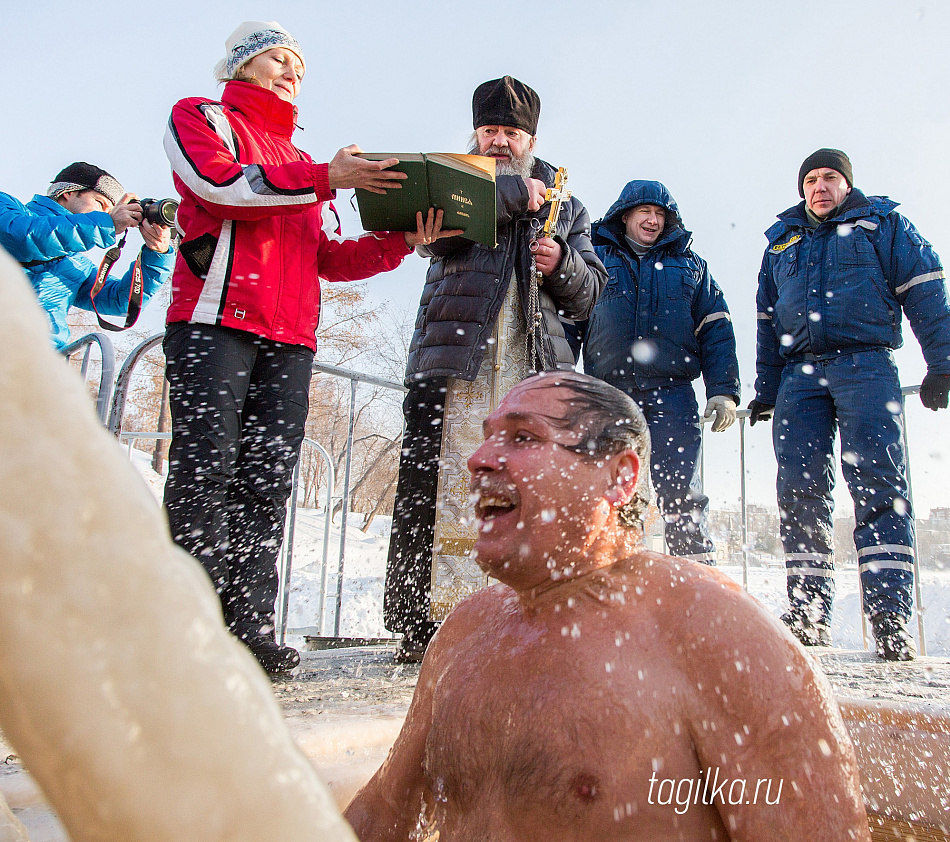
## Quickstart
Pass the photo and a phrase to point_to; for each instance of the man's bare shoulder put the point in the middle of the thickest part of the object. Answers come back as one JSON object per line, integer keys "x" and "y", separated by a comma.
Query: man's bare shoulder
{"x": 697, "y": 594}
{"x": 721, "y": 636}
{"x": 705, "y": 616}
{"x": 482, "y": 608}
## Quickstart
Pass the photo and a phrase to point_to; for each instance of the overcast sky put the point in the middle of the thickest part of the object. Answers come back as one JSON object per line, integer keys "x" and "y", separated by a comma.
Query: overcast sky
{"x": 720, "y": 101}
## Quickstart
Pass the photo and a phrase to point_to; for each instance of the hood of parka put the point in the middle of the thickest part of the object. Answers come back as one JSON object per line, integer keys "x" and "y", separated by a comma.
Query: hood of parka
{"x": 611, "y": 229}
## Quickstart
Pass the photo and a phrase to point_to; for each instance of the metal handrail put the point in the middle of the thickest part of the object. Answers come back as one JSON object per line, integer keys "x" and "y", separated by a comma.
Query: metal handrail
{"x": 354, "y": 377}
{"x": 124, "y": 381}
{"x": 286, "y": 569}
{"x": 107, "y": 358}
{"x": 120, "y": 396}
{"x": 742, "y": 415}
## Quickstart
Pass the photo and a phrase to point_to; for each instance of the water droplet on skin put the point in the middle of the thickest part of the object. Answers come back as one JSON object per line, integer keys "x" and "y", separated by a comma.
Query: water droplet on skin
{"x": 575, "y": 631}
{"x": 825, "y": 748}
{"x": 548, "y": 515}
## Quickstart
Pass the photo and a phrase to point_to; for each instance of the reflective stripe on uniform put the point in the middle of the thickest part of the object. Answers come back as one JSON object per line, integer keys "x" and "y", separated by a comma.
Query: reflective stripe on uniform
{"x": 900, "y": 549}
{"x": 920, "y": 279}
{"x": 886, "y": 564}
{"x": 712, "y": 317}
{"x": 810, "y": 571}
{"x": 809, "y": 564}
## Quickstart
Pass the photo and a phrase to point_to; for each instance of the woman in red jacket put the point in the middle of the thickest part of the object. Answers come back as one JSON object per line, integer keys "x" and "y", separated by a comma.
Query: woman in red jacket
{"x": 259, "y": 234}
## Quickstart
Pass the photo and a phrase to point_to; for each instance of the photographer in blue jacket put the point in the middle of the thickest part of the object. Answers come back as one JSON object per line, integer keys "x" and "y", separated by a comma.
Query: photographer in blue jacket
{"x": 838, "y": 270}
{"x": 83, "y": 208}
{"x": 661, "y": 322}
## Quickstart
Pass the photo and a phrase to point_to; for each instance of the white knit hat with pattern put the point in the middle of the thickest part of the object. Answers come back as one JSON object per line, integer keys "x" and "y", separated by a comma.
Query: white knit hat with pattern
{"x": 250, "y": 39}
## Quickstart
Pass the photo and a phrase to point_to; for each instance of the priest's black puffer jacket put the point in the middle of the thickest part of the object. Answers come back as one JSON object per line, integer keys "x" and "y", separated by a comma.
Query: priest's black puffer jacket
{"x": 467, "y": 282}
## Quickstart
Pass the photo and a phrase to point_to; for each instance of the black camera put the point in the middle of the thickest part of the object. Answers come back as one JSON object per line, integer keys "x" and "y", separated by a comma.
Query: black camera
{"x": 159, "y": 211}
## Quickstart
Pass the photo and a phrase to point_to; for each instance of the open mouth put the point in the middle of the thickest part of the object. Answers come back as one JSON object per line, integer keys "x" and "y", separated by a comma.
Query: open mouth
{"x": 491, "y": 503}
{"x": 488, "y": 508}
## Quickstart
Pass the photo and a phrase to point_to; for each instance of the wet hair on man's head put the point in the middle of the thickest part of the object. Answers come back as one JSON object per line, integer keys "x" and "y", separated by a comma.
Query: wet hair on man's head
{"x": 611, "y": 422}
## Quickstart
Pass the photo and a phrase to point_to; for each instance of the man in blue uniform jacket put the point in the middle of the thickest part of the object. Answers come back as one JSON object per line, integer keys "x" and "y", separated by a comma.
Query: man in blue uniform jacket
{"x": 84, "y": 208}
{"x": 661, "y": 322}
{"x": 838, "y": 270}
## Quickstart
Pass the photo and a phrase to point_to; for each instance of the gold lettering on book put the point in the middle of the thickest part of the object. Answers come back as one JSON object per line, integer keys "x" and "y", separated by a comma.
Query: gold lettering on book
{"x": 461, "y": 199}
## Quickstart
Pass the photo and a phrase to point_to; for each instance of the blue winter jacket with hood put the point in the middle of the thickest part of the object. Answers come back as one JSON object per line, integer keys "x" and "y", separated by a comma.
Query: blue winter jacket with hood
{"x": 662, "y": 319}
{"x": 839, "y": 288}
{"x": 44, "y": 233}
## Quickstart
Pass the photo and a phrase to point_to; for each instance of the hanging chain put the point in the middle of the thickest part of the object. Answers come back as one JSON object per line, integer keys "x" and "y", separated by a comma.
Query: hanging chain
{"x": 534, "y": 335}
{"x": 534, "y": 329}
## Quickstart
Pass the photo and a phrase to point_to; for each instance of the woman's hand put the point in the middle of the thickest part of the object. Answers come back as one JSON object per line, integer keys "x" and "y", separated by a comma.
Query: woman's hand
{"x": 346, "y": 171}
{"x": 430, "y": 230}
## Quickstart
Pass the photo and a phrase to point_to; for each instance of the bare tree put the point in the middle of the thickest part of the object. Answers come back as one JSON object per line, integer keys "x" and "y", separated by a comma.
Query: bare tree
{"x": 375, "y": 340}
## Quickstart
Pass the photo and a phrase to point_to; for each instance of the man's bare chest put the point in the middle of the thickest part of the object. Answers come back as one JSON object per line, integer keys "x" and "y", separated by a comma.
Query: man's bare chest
{"x": 561, "y": 727}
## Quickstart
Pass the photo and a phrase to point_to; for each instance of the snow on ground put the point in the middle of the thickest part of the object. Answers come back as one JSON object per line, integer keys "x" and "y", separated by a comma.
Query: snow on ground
{"x": 364, "y": 569}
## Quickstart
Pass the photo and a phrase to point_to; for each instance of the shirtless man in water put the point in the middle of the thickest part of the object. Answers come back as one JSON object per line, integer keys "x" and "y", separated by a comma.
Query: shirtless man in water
{"x": 603, "y": 692}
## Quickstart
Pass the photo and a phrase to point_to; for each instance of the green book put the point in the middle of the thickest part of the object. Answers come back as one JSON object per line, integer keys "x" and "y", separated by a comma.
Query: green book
{"x": 462, "y": 186}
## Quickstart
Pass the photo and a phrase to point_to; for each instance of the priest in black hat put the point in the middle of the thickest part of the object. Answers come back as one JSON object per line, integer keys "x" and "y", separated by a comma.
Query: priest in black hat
{"x": 470, "y": 346}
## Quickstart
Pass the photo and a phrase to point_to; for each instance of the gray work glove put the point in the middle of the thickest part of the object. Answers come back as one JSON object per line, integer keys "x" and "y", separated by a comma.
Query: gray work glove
{"x": 725, "y": 409}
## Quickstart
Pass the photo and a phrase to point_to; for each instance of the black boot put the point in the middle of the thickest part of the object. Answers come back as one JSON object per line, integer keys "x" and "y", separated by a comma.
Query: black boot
{"x": 809, "y": 632}
{"x": 412, "y": 648}
{"x": 894, "y": 642}
{"x": 276, "y": 660}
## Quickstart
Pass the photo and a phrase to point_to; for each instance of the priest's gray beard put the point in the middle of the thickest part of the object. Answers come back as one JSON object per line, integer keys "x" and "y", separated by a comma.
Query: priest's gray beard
{"x": 513, "y": 166}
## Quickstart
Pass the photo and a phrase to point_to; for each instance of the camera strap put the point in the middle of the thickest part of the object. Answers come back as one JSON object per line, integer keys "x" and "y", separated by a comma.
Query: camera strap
{"x": 135, "y": 290}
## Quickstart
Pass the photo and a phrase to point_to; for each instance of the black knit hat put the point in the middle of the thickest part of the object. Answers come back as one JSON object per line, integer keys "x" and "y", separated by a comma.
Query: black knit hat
{"x": 82, "y": 176}
{"x": 506, "y": 102}
{"x": 833, "y": 159}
